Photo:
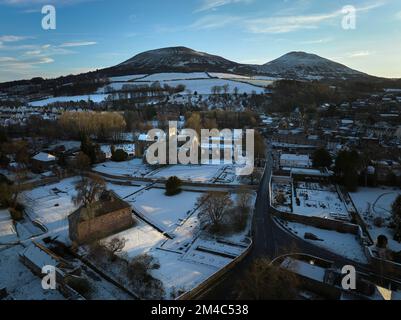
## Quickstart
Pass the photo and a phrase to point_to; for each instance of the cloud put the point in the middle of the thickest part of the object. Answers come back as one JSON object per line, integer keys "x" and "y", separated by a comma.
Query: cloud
{"x": 276, "y": 24}
{"x": 13, "y": 38}
{"x": 214, "y": 4}
{"x": 214, "y": 22}
{"x": 77, "y": 44}
{"x": 317, "y": 41}
{"x": 359, "y": 54}
{"x": 398, "y": 15}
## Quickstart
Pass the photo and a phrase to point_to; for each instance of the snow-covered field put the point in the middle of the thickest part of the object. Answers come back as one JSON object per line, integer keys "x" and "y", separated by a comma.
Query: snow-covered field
{"x": 201, "y": 86}
{"x": 221, "y": 75}
{"x": 196, "y": 173}
{"x": 132, "y": 168}
{"x": 20, "y": 282}
{"x": 344, "y": 244}
{"x": 127, "y": 78}
{"x": 8, "y": 233}
{"x": 376, "y": 202}
{"x": 93, "y": 97}
{"x": 50, "y": 205}
{"x": 167, "y": 213}
{"x": 175, "y": 76}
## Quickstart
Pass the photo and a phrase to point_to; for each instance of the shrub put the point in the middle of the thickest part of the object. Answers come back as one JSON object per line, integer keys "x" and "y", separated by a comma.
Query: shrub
{"x": 80, "y": 285}
{"x": 173, "y": 186}
{"x": 119, "y": 155}
{"x": 16, "y": 214}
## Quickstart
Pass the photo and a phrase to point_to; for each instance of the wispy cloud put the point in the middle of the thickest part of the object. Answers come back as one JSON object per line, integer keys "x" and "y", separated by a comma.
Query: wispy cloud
{"x": 214, "y": 22}
{"x": 317, "y": 41}
{"x": 13, "y": 38}
{"x": 359, "y": 54}
{"x": 77, "y": 44}
{"x": 279, "y": 23}
{"x": 214, "y": 4}
{"x": 398, "y": 15}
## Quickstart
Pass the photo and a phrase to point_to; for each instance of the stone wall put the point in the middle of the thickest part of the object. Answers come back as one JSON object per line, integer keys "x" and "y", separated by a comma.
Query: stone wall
{"x": 104, "y": 225}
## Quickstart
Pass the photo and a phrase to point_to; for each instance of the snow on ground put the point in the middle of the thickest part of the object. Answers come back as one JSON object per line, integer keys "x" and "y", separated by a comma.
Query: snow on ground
{"x": 175, "y": 76}
{"x": 19, "y": 281}
{"x": 50, "y": 205}
{"x": 179, "y": 274}
{"x": 196, "y": 173}
{"x": 376, "y": 202}
{"x": 163, "y": 211}
{"x": 131, "y": 168}
{"x": 140, "y": 239}
{"x": 127, "y": 147}
{"x": 93, "y": 97}
{"x": 123, "y": 191}
{"x": 8, "y": 233}
{"x": 127, "y": 78}
{"x": 344, "y": 244}
{"x": 201, "y": 86}
{"x": 68, "y": 144}
{"x": 221, "y": 75}
{"x": 257, "y": 82}
{"x": 318, "y": 201}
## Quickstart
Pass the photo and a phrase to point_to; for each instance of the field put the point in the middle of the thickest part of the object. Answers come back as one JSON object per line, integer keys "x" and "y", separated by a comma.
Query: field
{"x": 376, "y": 202}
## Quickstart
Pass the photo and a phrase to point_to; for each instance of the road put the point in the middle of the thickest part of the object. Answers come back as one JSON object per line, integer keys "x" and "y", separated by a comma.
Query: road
{"x": 269, "y": 241}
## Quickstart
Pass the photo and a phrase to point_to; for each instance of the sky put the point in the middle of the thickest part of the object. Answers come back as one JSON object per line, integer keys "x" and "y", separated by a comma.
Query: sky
{"x": 92, "y": 34}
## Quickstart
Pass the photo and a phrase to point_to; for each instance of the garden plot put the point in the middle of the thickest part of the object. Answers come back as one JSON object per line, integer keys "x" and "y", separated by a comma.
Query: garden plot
{"x": 373, "y": 203}
{"x": 285, "y": 190}
{"x": 8, "y": 233}
{"x": 132, "y": 168}
{"x": 176, "y": 273}
{"x": 20, "y": 282}
{"x": 139, "y": 240}
{"x": 50, "y": 205}
{"x": 166, "y": 213}
{"x": 343, "y": 244}
{"x": 195, "y": 173}
{"x": 316, "y": 200}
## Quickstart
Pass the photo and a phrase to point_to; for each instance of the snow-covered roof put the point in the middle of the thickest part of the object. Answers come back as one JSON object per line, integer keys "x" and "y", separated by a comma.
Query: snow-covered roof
{"x": 294, "y": 157}
{"x": 44, "y": 157}
{"x": 38, "y": 256}
{"x": 304, "y": 269}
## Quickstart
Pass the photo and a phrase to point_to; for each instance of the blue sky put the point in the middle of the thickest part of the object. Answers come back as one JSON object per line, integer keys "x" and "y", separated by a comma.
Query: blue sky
{"x": 93, "y": 34}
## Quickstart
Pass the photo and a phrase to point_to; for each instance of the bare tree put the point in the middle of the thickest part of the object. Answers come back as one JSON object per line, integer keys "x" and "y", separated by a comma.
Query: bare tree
{"x": 88, "y": 190}
{"x": 114, "y": 246}
{"x": 263, "y": 281}
{"x": 213, "y": 206}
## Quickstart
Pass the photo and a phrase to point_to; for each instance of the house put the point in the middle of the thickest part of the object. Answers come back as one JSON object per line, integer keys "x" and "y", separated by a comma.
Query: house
{"x": 43, "y": 162}
{"x": 108, "y": 216}
{"x": 295, "y": 161}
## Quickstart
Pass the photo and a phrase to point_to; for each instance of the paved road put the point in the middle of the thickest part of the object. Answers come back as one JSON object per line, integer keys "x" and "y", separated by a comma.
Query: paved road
{"x": 269, "y": 241}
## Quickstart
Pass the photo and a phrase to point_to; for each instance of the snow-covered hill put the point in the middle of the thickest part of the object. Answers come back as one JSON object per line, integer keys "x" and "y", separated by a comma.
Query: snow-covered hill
{"x": 301, "y": 65}
{"x": 176, "y": 59}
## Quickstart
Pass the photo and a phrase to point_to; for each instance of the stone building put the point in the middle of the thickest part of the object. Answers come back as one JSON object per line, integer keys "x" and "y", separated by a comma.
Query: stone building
{"x": 108, "y": 216}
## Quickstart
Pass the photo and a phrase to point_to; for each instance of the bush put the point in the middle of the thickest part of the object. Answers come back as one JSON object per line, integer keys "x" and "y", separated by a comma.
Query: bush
{"x": 80, "y": 285}
{"x": 119, "y": 155}
{"x": 378, "y": 222}
{"x": 173, "y": 186}
{"x": 16, "y": 214}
